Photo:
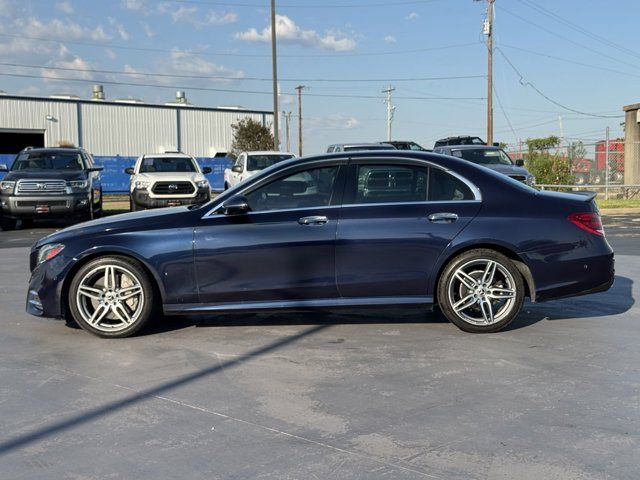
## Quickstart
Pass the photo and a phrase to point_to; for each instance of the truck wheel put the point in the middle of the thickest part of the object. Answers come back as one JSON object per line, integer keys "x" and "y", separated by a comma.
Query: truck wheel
{"x": 8, "y": 224}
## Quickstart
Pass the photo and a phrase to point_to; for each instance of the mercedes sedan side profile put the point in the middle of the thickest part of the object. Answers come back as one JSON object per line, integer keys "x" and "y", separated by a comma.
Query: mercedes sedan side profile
{"x": 366, "y": 228}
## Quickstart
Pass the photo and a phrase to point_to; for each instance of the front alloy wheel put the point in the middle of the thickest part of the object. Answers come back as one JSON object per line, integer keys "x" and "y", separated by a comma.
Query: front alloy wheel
{"x": 111, "y": 297}
{"x": 481, "y": 291}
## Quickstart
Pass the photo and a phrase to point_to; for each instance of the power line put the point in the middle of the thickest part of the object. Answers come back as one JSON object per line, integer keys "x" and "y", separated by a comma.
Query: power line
{"x": 504, "y": 113}
{"x": 210, "y": 89}
{"x": 226, "y": 54}
{"x": 526, "y": 83}
{"x": 578, "y": 28}
{"x": 551, "y": 32}
{"x": 309, "y": 6}
{"x": 222, "y": 77}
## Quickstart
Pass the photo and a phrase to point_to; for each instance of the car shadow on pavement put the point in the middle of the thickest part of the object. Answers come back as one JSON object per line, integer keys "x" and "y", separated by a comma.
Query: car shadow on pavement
{"x": 615, "y": 301}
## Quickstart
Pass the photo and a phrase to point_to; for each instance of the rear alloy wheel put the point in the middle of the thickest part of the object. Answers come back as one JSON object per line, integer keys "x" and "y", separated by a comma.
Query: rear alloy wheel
{"x": 481, "y": 291}
{"x": 111, "y": 297}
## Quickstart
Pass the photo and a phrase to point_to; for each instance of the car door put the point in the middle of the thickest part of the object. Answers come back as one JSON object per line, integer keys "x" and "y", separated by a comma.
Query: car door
{"x": 283, "y": 249}
{"x": 395, "y": 221}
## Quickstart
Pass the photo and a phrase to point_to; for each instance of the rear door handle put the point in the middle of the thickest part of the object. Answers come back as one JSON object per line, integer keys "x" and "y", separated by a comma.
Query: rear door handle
{"x": 313, "y": 220}
{"x": 443, "y": 217}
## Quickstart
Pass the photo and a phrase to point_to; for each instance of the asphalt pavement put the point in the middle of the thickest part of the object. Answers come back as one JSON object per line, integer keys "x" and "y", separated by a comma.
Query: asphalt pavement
{"x": 363, "y": 394}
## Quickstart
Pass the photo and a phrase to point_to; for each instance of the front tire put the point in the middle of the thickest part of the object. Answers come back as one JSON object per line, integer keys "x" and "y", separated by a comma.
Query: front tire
{"x": 481, "y": 291}
{"x": 111, "y": 297}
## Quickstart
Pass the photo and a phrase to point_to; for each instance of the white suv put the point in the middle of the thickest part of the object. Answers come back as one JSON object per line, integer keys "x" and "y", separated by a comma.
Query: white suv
{"x": 167, "y": 180}
{"x": 250, "y": 163}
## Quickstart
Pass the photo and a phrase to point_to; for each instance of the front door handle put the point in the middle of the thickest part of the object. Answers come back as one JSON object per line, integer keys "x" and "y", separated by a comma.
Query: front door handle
{"x": 443, "y": 217}
{"x": 313, "y": 220}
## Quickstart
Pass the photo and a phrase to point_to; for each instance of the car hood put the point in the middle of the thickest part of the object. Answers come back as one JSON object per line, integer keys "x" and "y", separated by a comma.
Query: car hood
{"x": 45, "y": 175}
{"x": 509, "y": 169}
{"x": 116, "y": 223}
{"x": 170, "y": 176}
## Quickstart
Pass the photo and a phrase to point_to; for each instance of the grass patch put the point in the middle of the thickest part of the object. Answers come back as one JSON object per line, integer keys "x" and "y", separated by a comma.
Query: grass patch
{"x": 618, "y": 203}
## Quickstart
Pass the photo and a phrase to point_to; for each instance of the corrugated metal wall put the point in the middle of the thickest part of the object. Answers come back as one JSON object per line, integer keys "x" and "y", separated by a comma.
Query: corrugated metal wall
{"x": 31, "y": 115}
{"x": 108, "y": 129}
{"x": 202, "y": 131}
{"x": 127, "y": 130}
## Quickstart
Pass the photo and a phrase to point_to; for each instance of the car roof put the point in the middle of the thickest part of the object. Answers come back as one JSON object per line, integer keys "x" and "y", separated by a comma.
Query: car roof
{"x": 267, "y": 152}
{"x": 471, "y": 147}
{"x": 362, "y": 144}
{"x": 166, "y": 155}
{"x": 49, "y": 149}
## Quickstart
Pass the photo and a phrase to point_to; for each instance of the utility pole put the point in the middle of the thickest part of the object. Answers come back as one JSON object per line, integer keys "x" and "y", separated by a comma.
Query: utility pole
{"x": 274, "y": 64}
{"x": 299, "y": 88}
{"x": 390, "y": 110}
{"x": 606, "y": 164}
{"x": 287, "y": 124}
{"x": 488, "y": 31}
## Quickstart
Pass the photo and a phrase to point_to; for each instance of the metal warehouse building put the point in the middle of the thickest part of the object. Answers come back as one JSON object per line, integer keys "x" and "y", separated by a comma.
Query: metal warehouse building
{"x": 120, "y": 129}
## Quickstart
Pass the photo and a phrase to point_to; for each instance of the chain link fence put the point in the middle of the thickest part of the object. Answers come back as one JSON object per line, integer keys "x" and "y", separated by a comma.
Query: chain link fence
{"x": 578, "y": 165}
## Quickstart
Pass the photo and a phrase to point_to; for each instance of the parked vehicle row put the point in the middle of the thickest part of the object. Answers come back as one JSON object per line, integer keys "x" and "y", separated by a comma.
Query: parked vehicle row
{"x": 53, "y": 182}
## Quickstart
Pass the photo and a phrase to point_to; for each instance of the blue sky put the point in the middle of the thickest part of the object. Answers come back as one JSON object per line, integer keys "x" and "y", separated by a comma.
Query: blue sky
{"x": 595, "y": 69}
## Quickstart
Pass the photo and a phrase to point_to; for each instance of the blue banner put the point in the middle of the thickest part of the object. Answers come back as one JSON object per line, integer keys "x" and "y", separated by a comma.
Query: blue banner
{"x": 114, "y": 180}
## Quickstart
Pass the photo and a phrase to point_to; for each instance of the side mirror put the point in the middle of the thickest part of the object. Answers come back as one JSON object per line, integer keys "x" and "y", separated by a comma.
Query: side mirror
{"x": 519, "y": 163}
{"x": 496, "y": 144}
{"x": 97, "y": 168}
{"x": 3, "y": 168}
{"x": 128, "y": 171}
{"x": 206, "y": 170}
{"x": 236, "y": 168}
{"x": 236, "y": 205}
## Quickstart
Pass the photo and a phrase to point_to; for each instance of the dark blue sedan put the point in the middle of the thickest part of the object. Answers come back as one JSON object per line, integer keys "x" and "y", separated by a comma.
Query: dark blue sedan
{"x": 357, "y": 228}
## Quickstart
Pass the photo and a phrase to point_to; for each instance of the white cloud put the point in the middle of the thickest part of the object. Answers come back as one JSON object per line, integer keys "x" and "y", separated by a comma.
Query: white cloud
{"x": 193, "y": 16}
{"x": 289, "y": 32}
{"x": 390, "y": 39}
{"x": 148, "y": 31}
{"x": 76, "y": 63}
{"x": 111, "y": 54}
{"x": 122, "y": 32}
{"x": 335, "y": 121}
{"x": 65, "y": 7}
{"x": 412, "y": 16}
{"x": 60, "y": 29}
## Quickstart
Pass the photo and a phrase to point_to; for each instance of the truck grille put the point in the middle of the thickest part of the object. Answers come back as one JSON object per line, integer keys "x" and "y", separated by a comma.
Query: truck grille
{"x": 173, "y": 188}
{"x": 35, "y": 203}
{"x": 520, "y": 178}
{"x": 42, "y": 187}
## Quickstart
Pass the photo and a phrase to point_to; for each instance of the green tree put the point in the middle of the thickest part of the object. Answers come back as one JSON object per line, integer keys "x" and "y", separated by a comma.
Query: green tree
{"x": 546, "y": 163}
{"x": 249, "y": 134}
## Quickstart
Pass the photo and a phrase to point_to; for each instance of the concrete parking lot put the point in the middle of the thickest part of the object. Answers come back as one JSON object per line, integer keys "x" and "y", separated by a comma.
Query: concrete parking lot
{"x": 310, "y": 395}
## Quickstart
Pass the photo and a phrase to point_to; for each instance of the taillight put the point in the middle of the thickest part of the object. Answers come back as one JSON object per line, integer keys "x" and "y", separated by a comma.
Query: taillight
{"x": 587, "y": 221}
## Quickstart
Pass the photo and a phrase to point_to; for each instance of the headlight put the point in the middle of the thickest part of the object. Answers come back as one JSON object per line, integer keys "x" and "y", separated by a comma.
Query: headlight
{"x": 83, "y": 184}
{"x": 141, "y": 184}
{"x": 202, "y": 184}
{"x": 7, "y": 187}
{"x": 49, "y": 251}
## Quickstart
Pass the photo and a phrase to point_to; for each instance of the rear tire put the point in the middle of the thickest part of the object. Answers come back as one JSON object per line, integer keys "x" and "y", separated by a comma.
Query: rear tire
{"x": 111, "y": 297}
{"x": 481, "y": 291}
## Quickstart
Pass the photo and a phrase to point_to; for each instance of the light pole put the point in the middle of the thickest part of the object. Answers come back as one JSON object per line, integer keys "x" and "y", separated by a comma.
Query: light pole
{"x": 274, "y": 64}
{"x": 299, "y": 89}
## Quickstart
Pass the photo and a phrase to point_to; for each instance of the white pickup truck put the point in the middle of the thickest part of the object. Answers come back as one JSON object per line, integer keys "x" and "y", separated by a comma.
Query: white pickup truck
{"x": 250, "y": 163}
{"x": 167, "y": 180}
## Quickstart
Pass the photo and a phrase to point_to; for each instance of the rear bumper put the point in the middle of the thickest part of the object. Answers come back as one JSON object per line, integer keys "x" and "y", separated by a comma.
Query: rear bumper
{"x": 576, "y": 277}
{"x": 37, "y": 206}
{"x": 142, "y": 199}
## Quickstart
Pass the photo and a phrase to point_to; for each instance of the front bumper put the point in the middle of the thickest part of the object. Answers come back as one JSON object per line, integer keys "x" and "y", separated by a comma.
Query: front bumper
{"x": 45, "y": 287}
{"x": 142, "y": 199}
{"x": 36, "y": 206}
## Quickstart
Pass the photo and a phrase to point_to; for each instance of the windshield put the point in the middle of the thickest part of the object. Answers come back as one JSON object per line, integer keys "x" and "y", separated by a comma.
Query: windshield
{"x": 483, "y": 156}
{"x": 167, "y": 164}
{"x": 48, "y": 161}
{"x": 260, "y": 162}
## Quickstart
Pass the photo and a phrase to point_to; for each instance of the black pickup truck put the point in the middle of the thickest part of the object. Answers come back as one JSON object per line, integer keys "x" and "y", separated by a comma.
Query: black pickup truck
{"x": 56, "y": 182}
